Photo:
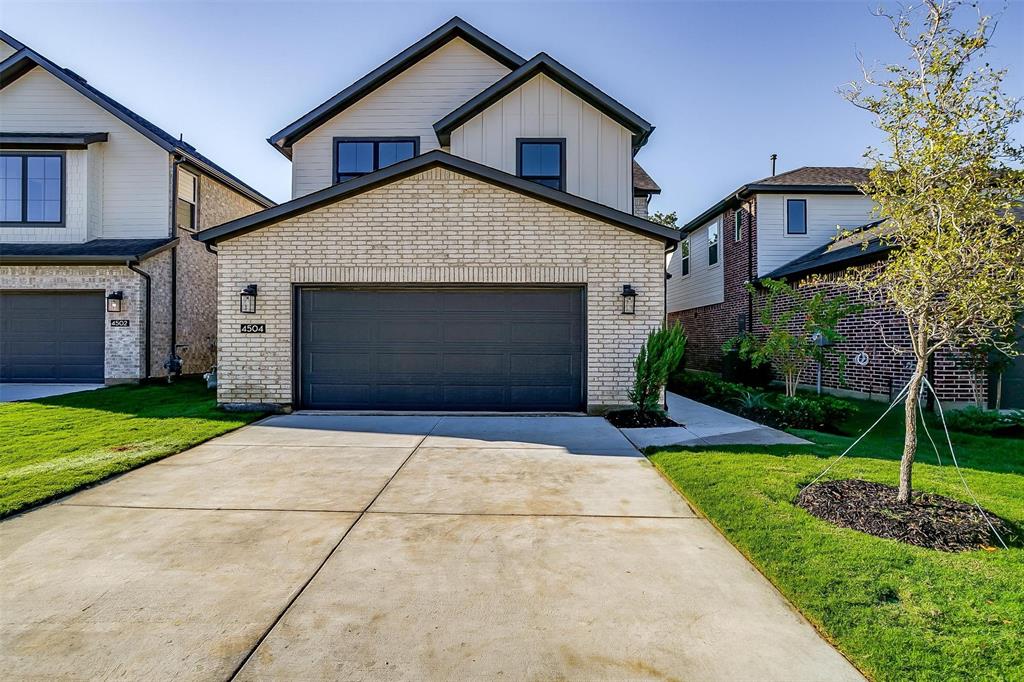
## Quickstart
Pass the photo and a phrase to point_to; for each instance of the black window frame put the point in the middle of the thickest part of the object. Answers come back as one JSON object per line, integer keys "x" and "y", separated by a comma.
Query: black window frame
{"x": 684, "y": 258}
{"x": 737, "y": 225}
{"x": 193, "y": 205}
{"x": 24, "y": 222}
{"x": 336, "y": 174}
{"x": 790, "y": 232}
{"x": 560, "y": 141}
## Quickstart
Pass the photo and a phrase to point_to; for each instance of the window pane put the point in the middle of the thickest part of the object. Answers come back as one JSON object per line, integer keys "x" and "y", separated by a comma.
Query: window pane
{"x": 713, "y": 244}
{"x": 796, "y": 216}
{"x": 553, "y": 183}
{"x": 355, "y": 157}
{"x": 542, "y": 159}
{"x": 393, "y": 152}
{"x": 35, "y": 211}
{"x": 51, "y": 211}
{"x": 52, "y": 167}
{"x": 185, "y": 214}
{"x": 35, "y": 188}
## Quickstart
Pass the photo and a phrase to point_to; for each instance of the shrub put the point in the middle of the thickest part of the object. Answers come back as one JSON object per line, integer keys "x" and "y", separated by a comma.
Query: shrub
{"x": 986, "y": 422}
{"x": 705, "y": 388}
{"x": 658, "y": 357}
{"x": 740, "y": 370}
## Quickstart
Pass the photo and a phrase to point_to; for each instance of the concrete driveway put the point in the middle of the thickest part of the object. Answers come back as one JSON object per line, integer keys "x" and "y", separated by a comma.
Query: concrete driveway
{"x": 10, "y": 392}
{"x": 341, "y": 547}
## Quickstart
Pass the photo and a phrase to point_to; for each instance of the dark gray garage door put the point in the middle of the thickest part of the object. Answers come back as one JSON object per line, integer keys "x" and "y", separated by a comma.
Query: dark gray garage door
{"x": 441, "y": 349}
{"x": 51, "y": 336}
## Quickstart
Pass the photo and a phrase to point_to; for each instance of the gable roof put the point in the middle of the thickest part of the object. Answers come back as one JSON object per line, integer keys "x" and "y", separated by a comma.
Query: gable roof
{"x": 642, "y": 182}
{"x": 454, "y": 28}
{"x": 805, "y": 180}
{"x": 418, "y": 164}
{"x": 544, "y": 63}
{"x": 26, "y": 59}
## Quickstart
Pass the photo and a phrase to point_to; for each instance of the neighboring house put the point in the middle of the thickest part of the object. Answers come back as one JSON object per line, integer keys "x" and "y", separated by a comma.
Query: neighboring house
{"x": 460, "y": 238}
{"x": 99, "y": 279}
{"x": 786, "y": 227}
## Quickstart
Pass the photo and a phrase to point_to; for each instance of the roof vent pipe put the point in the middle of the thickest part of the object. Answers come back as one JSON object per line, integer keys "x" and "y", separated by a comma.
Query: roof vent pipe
{"x": 774, "y": 157}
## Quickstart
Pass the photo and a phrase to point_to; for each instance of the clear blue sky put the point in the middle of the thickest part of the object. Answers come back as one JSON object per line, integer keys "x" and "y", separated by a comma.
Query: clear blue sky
{"x": 726, "y": 83}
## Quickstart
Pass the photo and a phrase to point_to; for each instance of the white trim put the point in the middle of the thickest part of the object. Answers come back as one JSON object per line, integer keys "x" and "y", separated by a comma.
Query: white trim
{"x": 717, "y": 223}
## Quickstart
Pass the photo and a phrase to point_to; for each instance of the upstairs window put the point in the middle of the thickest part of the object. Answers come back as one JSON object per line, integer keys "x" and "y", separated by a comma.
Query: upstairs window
{"x": 737, "y": 225}
{"x": 32, "y": 189}
{"x": 684, "y": 257}
{"x": 358, "y": 156}
{"x": 542, "y": 161}
{"x": 796, "y": 216}
{"x": 712, "y": 244}
{"x": 185, "y": 208}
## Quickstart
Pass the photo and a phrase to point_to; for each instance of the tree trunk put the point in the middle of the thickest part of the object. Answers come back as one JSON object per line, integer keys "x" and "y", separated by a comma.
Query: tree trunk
{"x": 910, "y": 439}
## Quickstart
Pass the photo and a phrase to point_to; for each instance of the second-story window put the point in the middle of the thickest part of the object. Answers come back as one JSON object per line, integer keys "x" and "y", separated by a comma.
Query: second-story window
{"x": 542, "y": 160}
{"x": 712, "y": 244}
{"x": 185, "y": 208}
{"x": 684, "y": 257}
{"x": 32, "y": 189}
{"x": 359, "y": 156}
{"x": 796, "y": 216}
{"x": 737, "y": 225}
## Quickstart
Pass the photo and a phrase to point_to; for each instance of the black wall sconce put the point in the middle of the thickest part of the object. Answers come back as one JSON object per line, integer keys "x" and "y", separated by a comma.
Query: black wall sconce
{"x": 628, "y": 299}
{"x": 115, "y": 299}
{"x": 248, "y": 299}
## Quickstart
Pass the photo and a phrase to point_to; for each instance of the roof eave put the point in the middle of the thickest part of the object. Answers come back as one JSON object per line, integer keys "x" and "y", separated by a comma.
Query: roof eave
{"x": 454, "y": 28}
{"x": 543, "y": 63}
{"x": 419, "y": 164}
{"x": 743, "y": 192}
{"x": 86, "y": 259}
{"x": 252, "y": 194}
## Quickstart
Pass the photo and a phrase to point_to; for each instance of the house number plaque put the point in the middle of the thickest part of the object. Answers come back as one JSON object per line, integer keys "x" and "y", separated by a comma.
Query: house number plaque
{"x": 120, "y": 323}
{"x": 260, "y": 328}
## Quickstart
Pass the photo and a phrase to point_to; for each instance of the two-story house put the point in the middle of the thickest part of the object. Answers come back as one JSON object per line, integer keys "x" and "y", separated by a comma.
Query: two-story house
{"x": 789, "y": 226}
{"x": 99, "y": 278}
{"x": 462, "y": 236}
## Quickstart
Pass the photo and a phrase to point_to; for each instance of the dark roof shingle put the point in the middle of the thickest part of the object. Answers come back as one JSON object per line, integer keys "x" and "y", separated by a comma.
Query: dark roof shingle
{"x": 819, "y": 175}
{"x": 642, "y": 182}
{"x": 93, "y": 251}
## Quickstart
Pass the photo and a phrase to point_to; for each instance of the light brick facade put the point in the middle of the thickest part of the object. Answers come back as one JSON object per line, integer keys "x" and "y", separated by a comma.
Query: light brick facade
{"x": 435, "y": 227}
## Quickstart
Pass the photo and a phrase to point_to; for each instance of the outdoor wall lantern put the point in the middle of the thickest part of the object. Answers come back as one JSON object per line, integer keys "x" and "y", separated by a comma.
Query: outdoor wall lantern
{"x": 628, "y": 299}
{"x": 248, "y": 299}
{"x": 114, "y": 301}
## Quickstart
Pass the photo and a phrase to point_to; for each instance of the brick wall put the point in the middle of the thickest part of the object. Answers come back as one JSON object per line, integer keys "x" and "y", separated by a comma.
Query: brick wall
{"x": 708, "y": 327}
{"x": 874, "y": 332}
{"x": 435, "y": 227}
{"x": 197, "y": 276}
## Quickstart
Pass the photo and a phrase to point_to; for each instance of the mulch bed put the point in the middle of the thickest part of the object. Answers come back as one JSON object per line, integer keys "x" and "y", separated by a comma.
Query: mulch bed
{"x": 932, "y": 521}
{"x": 631, "y": 419}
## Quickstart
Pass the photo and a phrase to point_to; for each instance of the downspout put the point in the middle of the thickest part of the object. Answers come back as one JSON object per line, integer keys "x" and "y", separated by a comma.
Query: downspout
{"x": 750, "y": 265}
{"x": 149, "y": 312}
{"x": 176, "y": 161}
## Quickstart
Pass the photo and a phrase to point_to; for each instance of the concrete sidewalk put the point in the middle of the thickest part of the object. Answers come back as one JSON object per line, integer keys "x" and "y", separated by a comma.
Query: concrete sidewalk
{"x": 706, "y": 425}
{"x": 10, "y": 392}
{"x": 314, "y": 547}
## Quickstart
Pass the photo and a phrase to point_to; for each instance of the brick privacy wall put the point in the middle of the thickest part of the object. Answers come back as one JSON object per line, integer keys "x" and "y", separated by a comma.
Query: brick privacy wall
{"x": 123, "y": 345}
{"x": 880, "y": 333}
{"x": 708, "y": 327}
{"x": 197, "y": 275}
{"x": 435, "y": 227}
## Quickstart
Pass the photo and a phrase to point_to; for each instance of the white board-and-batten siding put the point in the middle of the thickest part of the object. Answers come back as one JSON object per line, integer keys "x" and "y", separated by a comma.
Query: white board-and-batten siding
{"x": 826, "y": 214}
{"x": 128, "y": 175}
{"x": 598, "y": 151}
{"x": 406, "y": 106}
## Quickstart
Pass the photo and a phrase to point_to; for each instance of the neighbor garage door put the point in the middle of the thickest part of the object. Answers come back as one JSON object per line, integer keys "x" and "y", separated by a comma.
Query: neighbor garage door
{"x": 441, "y": 349}
{"x": 51, "y": 336}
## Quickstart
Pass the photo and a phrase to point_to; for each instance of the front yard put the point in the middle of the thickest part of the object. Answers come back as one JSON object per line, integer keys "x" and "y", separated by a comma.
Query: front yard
{"x": 897, "y": 611}
{"x": 53, "y": 446}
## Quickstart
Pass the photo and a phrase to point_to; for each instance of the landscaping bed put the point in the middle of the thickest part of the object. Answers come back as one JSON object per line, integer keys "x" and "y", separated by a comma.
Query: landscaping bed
{"x": 631, "y": 419}
{"x": 54, "y": 446}
{"x": 898, "y": 611}
{"x": 932, "y": 521}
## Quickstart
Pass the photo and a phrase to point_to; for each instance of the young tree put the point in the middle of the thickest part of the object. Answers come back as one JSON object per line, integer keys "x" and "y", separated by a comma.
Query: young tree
{"x": 947, "y": 182}
{"x": 658, "y": 358}
{"x": 799, "y": 330}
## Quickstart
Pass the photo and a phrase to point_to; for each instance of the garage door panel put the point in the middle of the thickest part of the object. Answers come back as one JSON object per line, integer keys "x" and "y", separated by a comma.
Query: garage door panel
{"x": 455, "y": 349}
{"x": 52, "y": 336}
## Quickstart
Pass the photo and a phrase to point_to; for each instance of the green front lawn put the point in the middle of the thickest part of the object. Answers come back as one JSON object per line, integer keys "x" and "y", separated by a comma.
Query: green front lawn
{"x": 53, "y": 446}
{"x": 898, "y": 612}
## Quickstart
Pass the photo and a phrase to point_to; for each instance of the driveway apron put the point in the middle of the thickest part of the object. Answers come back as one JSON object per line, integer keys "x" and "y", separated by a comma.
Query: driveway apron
{"x": 385, "y": 547}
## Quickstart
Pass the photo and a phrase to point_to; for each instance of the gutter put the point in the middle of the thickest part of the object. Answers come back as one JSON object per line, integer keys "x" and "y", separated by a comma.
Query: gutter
{"x": 84, "y": 259}
{"x": 745, "y": 191}
{"x": 132, "y": 265}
